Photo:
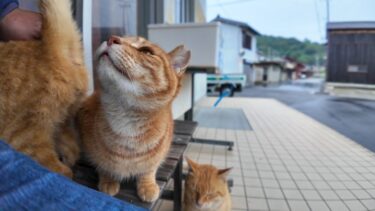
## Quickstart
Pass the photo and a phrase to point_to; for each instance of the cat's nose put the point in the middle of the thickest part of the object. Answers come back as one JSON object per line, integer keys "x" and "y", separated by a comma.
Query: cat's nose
{"x": 114, "y": 40}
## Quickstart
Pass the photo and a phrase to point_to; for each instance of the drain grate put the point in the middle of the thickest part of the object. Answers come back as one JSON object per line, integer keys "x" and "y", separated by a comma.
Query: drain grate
{"x": 223, "y": 118}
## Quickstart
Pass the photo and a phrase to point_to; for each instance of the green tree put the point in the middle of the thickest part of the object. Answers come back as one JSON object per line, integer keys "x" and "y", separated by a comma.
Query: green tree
{"x": 305, "y": 51}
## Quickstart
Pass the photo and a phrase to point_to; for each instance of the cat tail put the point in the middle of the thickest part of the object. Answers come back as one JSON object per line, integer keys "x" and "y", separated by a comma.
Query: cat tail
{"x": 60, "y": 35}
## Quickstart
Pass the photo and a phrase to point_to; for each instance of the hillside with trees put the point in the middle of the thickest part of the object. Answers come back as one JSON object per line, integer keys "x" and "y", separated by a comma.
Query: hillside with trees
{"x": 307, "y": 52}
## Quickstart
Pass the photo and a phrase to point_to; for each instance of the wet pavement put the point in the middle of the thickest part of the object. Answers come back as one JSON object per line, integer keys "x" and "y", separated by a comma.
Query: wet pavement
{"x": 353, "y": 118}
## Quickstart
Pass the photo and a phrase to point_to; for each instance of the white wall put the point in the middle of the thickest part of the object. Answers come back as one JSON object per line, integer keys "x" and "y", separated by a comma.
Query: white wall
{"x": 230, "y": 46}
{"x": 201, "y": 39}
{"x": 200, "y": 86}
{"x": 183, "y": 101}
{"x": 251, "y": 55}
{"x": 230, "y": 59}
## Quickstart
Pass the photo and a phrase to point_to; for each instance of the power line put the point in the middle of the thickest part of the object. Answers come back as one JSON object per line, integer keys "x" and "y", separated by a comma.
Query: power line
{"x": 318, "y": 18}
{"x": 220, "y": 4}
{"x": 229, "y": 3}
{"x": 328, "y": 10}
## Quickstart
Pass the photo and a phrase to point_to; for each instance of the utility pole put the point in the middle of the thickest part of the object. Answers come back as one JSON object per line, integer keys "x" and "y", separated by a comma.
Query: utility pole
{"x": 328, "y": 10}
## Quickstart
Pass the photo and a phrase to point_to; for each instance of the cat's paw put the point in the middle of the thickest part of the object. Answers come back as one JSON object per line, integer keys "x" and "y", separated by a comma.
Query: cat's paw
{"x": 62, "y": 169}
{"x": 148, "y": 192}
{"x": 68, "y": 149}
{"x": 109, "y": 187}
{"x": 68, "y": 158}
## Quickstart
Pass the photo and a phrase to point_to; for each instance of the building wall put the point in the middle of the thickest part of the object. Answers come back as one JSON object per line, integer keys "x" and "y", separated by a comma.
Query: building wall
{"x": 122, "y": 17}
{"x": 232, "y": 53}
{"x": 171, "y": 11}
{"x": 351, "y": 57}
{"x": 200, "y": 16}
{"x": 183, "y": 101}
{"x": 258, "y": 74}
{"x": 284, "y": 76}
{"x": 251, "y": 55}
{"x": 118, "y": 16}
{"x": 250, "y": 74}
{"x": 129, "y": 17}
{"x": 200, "y": 8}
{"x": 274, "y": 73}
{"x": 230, "y": 61}
{"x": 172, "y": 14}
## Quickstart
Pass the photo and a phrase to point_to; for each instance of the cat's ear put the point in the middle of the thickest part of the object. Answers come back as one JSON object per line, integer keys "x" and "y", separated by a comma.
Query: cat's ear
{"x": 180, "y": 57}
{"x": 192, "y": 165}
{"x": 223, "y": 173}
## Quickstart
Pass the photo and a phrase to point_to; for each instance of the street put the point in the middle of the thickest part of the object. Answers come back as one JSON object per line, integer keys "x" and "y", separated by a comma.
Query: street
{"x": 353, "y": 118}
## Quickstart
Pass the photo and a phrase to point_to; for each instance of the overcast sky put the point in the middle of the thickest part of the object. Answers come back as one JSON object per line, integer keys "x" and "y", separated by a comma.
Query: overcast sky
{"x": 292, "y": 18}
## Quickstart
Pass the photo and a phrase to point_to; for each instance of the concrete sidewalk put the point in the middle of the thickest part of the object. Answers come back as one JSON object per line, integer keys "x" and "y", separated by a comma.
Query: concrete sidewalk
{"x": 288, "y": 161}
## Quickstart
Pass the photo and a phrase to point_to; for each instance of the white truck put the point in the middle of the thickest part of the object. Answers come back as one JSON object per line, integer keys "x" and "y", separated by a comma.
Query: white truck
{"x": 225, "y": 83}
{"x": 216, "y": 46}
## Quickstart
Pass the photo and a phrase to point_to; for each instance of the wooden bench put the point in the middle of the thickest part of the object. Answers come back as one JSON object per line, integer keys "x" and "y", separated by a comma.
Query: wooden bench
{"x": 170, "y": 169}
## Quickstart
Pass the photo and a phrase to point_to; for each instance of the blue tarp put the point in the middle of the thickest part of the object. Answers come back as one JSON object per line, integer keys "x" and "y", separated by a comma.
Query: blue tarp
{"x": 25, "y": 185}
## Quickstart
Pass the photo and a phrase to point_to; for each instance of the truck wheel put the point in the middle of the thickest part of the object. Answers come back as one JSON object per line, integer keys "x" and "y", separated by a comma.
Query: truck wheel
{"x": 227, "y": 89}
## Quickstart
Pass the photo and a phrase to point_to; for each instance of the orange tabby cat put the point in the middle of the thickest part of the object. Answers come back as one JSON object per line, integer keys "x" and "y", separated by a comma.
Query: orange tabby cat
{"x": 127, "y": 127}
{"x": 206, "y": 188}
{"x": 41, "y": 86}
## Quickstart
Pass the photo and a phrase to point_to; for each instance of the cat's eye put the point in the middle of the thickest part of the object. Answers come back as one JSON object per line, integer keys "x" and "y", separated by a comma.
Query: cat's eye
{"x": 146, "y": 50}
{"x": 212, "y": 195}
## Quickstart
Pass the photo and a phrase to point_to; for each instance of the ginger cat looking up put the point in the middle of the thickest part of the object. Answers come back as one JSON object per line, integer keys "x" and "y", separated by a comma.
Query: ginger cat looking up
{"x": 42, "y": 84}
{"x": 127, "y": 126}
{"x": 206, "y": 188}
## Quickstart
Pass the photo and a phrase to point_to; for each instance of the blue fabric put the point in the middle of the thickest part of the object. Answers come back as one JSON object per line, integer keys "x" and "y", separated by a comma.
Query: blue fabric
{"x": 6, "y": 6}
{"x": 25, "y": 185}
{"x": 4, "y": 3}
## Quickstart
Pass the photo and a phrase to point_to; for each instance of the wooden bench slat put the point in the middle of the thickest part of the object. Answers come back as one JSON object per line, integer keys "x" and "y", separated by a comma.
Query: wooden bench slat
{"x": 185, "y": 127}
{"x": 176, "y": 151}
{"x": 166, "y": 170}
{"x": 181, "y": 139}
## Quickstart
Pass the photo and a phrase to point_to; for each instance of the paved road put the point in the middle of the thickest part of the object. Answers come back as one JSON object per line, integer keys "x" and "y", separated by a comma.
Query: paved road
{"x": 351, "y": 117}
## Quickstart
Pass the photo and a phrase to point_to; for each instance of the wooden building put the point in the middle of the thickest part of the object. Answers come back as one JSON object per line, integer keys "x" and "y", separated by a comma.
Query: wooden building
{"x": 351, "y": 52}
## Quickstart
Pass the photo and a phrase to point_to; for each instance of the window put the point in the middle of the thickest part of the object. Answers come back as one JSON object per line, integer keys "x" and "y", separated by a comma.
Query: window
{"x": 246, "y": 40}
{"x": 357, "y": 68}
{"x": 176, "y": 11}
{"x": 116, "y": 17}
